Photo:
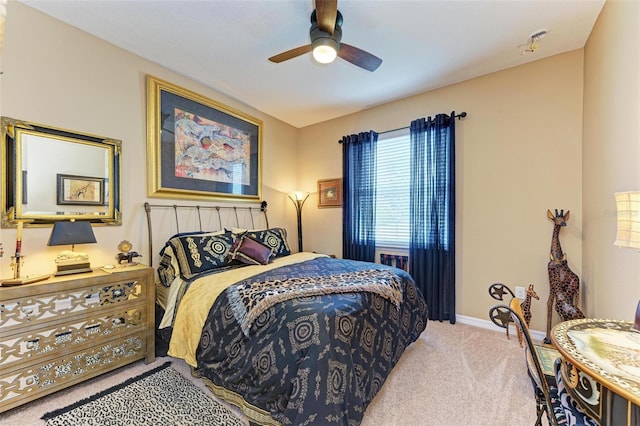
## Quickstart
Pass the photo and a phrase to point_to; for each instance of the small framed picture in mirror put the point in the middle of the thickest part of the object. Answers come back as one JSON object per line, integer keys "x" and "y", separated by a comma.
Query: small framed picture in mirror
{"x": 80, "y": 190}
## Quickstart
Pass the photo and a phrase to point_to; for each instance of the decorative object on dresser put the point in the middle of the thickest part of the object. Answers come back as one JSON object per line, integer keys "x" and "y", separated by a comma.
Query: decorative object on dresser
{"x": 126, "y": 255}
{"x": 68, "y": 329}
{"x": 16, "y": 260}
{"x": 298, "y": 199}
{"x": 330, "y": 193}
{"x": 564, "y": 285}
{"x": 16, "y": 264}
{"x": 71, "y": 232}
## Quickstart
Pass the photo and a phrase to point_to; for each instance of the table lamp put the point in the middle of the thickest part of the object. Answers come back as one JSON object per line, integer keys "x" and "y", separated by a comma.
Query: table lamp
{"x": 71, "y": 232}
{"x": 298, "y": 199}
{"x": 628, "y": 219}
{"x": 628, "y": 228}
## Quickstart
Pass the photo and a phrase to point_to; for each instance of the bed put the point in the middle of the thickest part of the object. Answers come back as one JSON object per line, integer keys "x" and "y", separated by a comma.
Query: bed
{"x": 290, "y": 338}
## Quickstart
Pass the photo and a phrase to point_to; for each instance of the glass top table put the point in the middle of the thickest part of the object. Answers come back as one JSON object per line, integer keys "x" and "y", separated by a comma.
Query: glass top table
{"x": 601, "y": 356}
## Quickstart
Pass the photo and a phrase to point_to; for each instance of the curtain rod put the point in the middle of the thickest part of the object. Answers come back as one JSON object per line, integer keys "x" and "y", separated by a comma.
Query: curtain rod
{"x": 460, "y": 116}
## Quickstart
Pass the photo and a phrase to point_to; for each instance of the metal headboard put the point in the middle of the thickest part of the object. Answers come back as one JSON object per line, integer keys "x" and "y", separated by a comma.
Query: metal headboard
{"x": 260, "y": 209}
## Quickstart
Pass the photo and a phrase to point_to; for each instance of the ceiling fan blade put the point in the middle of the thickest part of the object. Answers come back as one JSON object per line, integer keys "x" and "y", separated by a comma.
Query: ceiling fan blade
{"x": 359, "y": 57}
{"x": 326, "y": 13}
{"x": 289, "y": 54}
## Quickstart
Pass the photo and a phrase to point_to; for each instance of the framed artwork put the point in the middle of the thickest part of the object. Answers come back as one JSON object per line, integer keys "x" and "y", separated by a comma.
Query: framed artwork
{"x": 330, "y": 193}
{"x": 79, "y": 190}
{"x": 199, "y": 148}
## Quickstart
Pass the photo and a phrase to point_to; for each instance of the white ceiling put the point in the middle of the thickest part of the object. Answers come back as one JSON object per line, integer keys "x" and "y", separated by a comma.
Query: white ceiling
{"x": 424, "y": 44}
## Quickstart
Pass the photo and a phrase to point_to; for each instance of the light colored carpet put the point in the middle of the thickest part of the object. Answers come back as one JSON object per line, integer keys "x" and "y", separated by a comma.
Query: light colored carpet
{"x": 457, "y": 375}
{"x": 452, "y": 375}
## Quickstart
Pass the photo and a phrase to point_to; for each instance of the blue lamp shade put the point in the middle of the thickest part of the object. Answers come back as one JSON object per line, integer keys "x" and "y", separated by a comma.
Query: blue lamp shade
{"x": 71, "y": 233}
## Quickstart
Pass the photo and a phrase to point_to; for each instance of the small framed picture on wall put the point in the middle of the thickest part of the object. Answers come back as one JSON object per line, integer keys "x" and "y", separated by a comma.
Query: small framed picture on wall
{"x": 330, "y": 193}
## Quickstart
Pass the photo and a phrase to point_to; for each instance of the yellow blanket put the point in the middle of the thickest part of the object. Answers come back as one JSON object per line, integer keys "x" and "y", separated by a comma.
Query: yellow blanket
{"x": 196, "y": 303}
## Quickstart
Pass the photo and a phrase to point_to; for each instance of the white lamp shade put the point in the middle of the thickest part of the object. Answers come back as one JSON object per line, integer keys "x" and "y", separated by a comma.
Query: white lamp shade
{"x": 628, "y": 219}
{"x": 298, "y": 196}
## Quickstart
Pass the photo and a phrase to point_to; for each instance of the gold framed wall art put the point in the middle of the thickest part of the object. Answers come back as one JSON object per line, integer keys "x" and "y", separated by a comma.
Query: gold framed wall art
{"x": 199, "y": 148}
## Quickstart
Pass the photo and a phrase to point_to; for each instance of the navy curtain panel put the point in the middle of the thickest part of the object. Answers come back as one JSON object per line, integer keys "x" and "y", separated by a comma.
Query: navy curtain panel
{"x": 432, "y": 213}
{"x": 359, "y": 196}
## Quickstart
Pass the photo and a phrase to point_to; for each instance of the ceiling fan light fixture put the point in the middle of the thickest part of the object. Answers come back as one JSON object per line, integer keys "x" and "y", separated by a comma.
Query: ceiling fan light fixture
{"x": 325, "y": 46}
{"x": 324, "y": 53}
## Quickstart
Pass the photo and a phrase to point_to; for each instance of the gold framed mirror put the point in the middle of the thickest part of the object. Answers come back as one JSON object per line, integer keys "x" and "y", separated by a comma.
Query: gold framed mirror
{"x": 51, "y": 174}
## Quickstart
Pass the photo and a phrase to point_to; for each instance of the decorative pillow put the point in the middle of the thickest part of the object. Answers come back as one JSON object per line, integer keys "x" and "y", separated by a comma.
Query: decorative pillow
{"x": 168, "y": 269}
{"x": 247, "y": 250}
{"x": 200, "y": 253}
{"x": 274, "y": 238}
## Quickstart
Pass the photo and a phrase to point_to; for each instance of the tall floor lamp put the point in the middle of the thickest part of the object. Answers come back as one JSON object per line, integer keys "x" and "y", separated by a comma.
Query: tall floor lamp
{"x": 298, "y": 199}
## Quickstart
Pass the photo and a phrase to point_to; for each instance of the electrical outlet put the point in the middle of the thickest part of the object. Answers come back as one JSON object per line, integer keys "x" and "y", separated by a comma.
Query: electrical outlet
{"x": 520, "y": 293}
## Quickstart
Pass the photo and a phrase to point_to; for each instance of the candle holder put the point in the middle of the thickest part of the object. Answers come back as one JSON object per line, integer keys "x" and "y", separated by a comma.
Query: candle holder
{"x": 16, "y": 265}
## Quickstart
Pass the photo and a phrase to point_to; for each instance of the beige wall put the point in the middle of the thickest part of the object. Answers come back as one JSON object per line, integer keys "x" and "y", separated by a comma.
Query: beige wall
{"x": 518, "y": 154}
{"x": 611, "y": 159}
{"x": 56, "y": 75}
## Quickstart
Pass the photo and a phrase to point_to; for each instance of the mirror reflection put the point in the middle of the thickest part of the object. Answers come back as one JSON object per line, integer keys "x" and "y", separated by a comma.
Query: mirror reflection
{"x": 53, "y": 174}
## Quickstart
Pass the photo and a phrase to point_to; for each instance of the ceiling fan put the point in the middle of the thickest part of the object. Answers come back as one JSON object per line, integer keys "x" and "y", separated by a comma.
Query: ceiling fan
{"x": 326, "y": 35}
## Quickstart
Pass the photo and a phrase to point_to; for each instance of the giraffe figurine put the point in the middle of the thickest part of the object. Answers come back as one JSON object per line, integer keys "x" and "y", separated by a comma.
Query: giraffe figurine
{"x": 502, "y": 318}
{"x": 526, "y": 309}
{"x": 564, "y": 285}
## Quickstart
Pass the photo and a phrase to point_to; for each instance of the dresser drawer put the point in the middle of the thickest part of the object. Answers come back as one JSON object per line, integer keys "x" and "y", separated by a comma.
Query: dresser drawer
{"x": 33, "y": 346}
{"x": 45, "y": 308}
{"x": 26, "y": 384}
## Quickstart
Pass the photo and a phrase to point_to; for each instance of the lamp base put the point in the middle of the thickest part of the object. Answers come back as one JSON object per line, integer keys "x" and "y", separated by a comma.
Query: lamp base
{"x": 73, "y": 271}
{"x": 73, "y": 268}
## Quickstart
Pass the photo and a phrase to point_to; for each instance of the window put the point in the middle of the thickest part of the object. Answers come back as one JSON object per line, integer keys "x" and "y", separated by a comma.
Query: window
{"x": 392, "y": 192}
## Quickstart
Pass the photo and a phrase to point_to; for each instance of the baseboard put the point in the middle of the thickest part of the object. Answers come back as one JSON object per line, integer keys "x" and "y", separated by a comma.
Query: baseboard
{"x": 483, "y": 323}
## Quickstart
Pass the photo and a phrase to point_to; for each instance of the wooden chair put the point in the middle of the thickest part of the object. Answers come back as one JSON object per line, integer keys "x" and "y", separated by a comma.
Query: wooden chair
{"x": 551, "y": 396}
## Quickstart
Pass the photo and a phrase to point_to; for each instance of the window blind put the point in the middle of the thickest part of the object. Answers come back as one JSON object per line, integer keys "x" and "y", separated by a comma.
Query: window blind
{"x": 392, "y": 194}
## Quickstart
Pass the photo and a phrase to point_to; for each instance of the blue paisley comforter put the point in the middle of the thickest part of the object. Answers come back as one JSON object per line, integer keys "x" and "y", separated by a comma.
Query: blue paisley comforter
{"x": 314, "y": 359}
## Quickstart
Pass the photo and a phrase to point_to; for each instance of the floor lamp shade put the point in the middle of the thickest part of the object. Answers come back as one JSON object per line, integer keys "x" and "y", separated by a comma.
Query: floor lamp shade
{"x": 628, "y": 219}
